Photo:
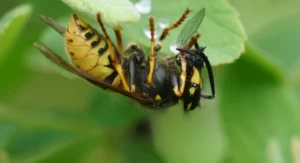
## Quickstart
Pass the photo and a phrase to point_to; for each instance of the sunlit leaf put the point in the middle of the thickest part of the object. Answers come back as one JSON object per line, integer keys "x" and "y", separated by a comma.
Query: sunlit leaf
{"x": 266, "y": 12}
{"x": 282, "y": 45}
{"x": 113, "y": 12}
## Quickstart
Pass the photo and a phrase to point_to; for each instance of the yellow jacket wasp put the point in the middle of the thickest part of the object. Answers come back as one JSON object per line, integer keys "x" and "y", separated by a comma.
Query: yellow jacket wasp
{"x": 149, "y": 81}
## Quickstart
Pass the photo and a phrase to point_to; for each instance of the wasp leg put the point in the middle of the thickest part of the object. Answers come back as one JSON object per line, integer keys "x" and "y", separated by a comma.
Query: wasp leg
{"x": 116, "y": 63}
{"x": 119, "y": 39}
{"x": 152, "y": 57}
{"x": 135, "y": 59}
{"x": 177, "y": 80}
{"x": 166, "y": 31}
{"x": 199, "y": 51}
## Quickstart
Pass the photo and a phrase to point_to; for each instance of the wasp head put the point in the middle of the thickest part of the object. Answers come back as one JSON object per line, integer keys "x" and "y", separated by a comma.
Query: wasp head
{"x": 192, "y": 57}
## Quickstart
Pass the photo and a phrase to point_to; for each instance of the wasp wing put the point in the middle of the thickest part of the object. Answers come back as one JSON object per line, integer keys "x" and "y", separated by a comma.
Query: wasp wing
{"x": 60, "y": 62}
{"x": 60, "y": 29}
{"x": 190, "y": 28}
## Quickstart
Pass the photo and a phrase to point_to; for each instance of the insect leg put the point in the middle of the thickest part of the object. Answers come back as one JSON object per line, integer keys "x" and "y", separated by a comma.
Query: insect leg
{"x": 177, "y": 80}
{"x": 119, "y": 39}
{"x": 135, "y": 59}
{"x": 152, "y": 57}
{"x": 116, "y": 63}
{"x": 209, "y": 71}
{"x": 166, "y": 31}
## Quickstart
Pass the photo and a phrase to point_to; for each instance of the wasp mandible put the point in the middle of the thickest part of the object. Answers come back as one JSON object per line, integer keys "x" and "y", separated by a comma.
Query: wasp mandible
{"x": 153, "y": 83}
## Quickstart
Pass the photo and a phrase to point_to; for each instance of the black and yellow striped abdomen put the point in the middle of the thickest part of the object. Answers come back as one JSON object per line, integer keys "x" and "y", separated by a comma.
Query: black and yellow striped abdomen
{"x": 88, "y": 50}
{"x": 192, "y": 90}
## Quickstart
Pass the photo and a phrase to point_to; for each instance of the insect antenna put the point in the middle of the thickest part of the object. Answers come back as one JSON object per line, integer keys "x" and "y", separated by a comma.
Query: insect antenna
{"x": 166, "y": 31}
{"x": 152, "y": 57}
{"x": 193, "y": 41}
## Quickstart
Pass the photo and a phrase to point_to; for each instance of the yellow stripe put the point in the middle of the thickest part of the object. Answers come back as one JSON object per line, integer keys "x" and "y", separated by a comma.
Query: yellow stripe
{"x": 189, "y": 106}
{"x": 192, "y": 91}
{"x": 157, "y": 98}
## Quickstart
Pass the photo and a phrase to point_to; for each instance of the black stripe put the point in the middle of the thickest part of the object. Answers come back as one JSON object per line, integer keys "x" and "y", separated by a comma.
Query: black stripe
{"x": 89, "y": 35}
{"x": 82, "y": 28}
{"x": 110, "y": 78}
{"x": 102, "y": 50}
{"x": 110, "y": 63}
{"x": 95, "y": 43}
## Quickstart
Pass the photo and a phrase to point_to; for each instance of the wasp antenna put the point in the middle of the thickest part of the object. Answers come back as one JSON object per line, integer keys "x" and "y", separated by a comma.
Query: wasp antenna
{"x": 182, "y": 18}
{"x": 152, "y": 57}
{"x": 193, "y": 41}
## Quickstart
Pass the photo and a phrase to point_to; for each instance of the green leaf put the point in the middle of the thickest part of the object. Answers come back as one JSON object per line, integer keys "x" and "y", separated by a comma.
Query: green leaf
{"x": 258, "y": 112}
{"x": 72, "y": 152}
{"x": 275, "y": 33}
{"x": 221, "y": 30}
{"x": 11, "y": 26}
{"x": 110, "y": 109}
{"x": 282, "y": 43}
{"x": 6, "y": 132}
{"x": 44, "y": 145}
{"x": 192, "y": 137}
{"x": 113, "y": 12}
{"x": 265, "y": 13}
{"x": 67, "y": 121}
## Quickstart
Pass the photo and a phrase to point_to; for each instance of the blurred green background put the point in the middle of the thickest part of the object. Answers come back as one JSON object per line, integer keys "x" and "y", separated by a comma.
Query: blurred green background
{"x": 47, "y": 115}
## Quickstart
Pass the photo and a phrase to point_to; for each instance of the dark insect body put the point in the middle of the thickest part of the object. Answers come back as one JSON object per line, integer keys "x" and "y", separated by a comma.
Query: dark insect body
{"x": 153, "y": 83}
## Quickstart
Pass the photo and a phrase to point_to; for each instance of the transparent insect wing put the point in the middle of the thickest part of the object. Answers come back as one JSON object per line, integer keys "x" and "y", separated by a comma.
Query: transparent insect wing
{"x": 190, "y": 28}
